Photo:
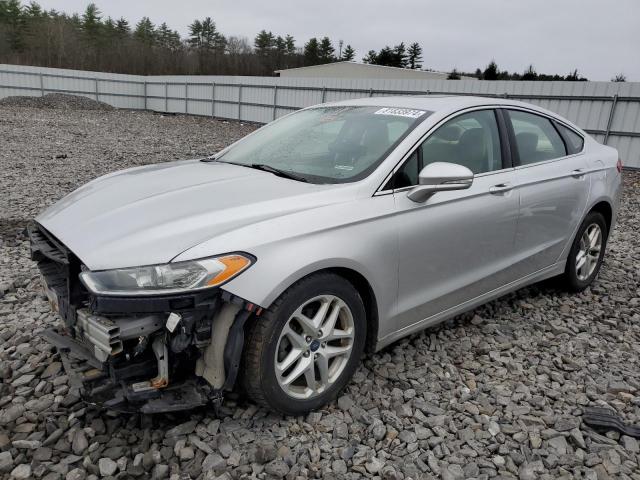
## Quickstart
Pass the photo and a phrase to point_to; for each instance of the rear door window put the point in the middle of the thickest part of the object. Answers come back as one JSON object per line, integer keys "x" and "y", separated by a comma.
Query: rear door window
{"x": 536, "y": 138}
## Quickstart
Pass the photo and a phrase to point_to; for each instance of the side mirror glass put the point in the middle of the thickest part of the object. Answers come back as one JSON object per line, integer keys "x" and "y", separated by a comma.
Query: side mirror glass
{"x": 440, "y": 177}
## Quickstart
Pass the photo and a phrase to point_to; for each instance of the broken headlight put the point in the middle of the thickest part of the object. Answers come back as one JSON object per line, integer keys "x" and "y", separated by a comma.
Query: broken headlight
{"x": 176, "y": 277}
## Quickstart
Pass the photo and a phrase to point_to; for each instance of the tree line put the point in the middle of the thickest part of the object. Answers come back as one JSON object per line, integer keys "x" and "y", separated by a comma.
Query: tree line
{"x": 492, "y": 72}
{"x": 30, "y": 35}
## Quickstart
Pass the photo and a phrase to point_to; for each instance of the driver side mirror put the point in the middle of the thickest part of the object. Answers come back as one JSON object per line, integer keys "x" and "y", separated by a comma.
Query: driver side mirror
{"x": 440, "y": 177}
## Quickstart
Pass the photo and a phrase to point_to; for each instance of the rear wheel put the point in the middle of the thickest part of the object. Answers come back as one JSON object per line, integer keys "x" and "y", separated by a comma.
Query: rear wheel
{"x": 305, "y": 349}
{"x": 587, "y": 252}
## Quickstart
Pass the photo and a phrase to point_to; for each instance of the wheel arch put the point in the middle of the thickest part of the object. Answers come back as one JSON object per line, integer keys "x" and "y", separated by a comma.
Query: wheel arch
{"x": 362, "y": 285}
{"x": 364, "y": 289}
{"x": 605, "y": 208}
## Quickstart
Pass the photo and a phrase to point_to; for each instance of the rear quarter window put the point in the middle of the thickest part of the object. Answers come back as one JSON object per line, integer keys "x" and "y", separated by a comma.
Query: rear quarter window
{"x": 574, "y": 141}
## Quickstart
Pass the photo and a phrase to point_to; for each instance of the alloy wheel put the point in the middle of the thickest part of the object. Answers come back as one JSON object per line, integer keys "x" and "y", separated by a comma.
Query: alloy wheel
{"x": 589, "y": 252}
{"x": 314, "y": 346}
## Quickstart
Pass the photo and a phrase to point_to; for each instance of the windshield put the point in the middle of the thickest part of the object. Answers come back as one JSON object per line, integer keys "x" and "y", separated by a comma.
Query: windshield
{"x": 327, "y": 144}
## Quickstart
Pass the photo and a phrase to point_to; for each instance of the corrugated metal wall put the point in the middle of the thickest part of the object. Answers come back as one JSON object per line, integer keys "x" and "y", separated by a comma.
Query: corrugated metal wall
{"x": 609, "y": 111}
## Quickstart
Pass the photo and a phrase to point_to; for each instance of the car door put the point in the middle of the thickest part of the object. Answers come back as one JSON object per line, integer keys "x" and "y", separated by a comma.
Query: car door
{"x": 554, "y": 184}
{"x": 456, "y": 245}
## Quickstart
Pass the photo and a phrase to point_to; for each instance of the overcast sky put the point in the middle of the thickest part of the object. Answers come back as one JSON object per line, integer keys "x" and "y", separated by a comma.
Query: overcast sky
{"x": 598, "y": 37}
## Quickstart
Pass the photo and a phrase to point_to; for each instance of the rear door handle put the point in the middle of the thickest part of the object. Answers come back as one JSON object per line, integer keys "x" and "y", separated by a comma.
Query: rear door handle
{"x": 501, "y": 188}
{"x": 578, "y": 172}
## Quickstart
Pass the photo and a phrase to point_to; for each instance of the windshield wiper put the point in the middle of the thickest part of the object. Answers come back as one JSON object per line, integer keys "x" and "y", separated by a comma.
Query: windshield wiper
{"x": 263, "y": 167}
{"x": 278, "y": 172}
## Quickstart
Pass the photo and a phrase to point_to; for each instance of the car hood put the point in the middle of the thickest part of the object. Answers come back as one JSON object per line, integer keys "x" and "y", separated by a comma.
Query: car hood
{"x": 149, "y": 215}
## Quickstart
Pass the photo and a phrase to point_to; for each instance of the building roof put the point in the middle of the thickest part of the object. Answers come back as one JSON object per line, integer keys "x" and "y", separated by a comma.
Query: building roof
{"x": 364, "y": 65}
{"x": 345, "y": 67}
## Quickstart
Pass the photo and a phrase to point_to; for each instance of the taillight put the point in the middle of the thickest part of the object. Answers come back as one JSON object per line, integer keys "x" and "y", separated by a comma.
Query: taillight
{"x": 619, "y": 165}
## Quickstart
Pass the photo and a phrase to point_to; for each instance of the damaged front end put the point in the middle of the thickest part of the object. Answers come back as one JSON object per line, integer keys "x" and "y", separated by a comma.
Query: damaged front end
{"x": 145, "y": 353}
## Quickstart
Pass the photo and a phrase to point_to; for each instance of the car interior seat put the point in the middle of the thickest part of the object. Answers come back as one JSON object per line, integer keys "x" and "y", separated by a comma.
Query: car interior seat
{"x": 528, "y": 147}
{"x": 472, "y": 152}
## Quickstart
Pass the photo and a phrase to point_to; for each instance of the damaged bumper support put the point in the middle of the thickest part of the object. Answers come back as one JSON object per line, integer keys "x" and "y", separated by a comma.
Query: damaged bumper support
{"x": 150, "y": 354}
{"x": 155, "y": 362}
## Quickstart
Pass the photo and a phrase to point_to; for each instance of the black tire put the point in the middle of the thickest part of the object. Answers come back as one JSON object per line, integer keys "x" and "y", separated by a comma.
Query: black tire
{"x": 258, "y": 370}
{"x": 569, "y": 280}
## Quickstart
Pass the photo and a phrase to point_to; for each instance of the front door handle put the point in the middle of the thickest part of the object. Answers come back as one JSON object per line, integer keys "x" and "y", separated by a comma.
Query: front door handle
{"x": 578, "y": 172}
{"x": 501, "y": 188}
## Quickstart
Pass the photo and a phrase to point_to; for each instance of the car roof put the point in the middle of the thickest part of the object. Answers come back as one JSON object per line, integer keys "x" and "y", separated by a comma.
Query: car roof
{"x": 433, "y": 103}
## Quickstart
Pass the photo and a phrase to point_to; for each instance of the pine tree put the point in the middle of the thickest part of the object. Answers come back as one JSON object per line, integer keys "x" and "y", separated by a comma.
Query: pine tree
{"x": 290, "y": 45}
{"x": 75, "y": 21}
{"x": 371, "y": 57}
{"x": 280, "y": 45}
{"x": 387, "y": 57}
{"x": 195, "y": 34}
{"x": 454, "y": 75}
{"x": 122, "y": 28}
{"x": 145, "y": 31}
{"x": 4, "y": 11}
{"x": 167, "y": 38}
{"x": 264, "y": 42}
{"x": 415, "y": 56}
{"x": 33, "y": 11}
{"x": 109, "y": 28}
{"x": 91, "y": 23}
{"x": 312, "y": 52}
{"x": 204, "y": 37}
{"x": 575, "y": 77}
{"x": 529, "y": 74}
{"x": 400, "y": 58}
{"x": 212, "y": 40}
{"x": 326, "y": 51}
{"x": 12, "y": 15}
{"x": 349, "y": 54}
{"x": 491, "y": 72}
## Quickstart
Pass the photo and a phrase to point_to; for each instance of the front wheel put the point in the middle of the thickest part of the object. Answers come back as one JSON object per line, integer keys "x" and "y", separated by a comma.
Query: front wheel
{"x": 586, "y": 254}
{"x": 307, "y": 346}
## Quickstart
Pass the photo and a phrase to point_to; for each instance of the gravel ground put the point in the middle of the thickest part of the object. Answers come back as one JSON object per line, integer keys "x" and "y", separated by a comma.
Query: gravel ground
{"x": 59, "y": 101}
{"x": 495, "y": 393}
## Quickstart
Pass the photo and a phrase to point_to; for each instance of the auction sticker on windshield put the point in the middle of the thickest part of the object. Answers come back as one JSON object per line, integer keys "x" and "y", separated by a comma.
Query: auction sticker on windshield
{"x": 400, "y": 112}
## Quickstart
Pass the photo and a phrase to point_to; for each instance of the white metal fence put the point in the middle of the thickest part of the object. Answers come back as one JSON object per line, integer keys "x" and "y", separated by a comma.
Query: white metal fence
{"x": 608, "y": 111}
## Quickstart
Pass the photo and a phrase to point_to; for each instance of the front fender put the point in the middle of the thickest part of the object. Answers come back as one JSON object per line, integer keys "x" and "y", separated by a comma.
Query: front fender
{"x": 281, "y": 265}
{"x": 360, "y": 236}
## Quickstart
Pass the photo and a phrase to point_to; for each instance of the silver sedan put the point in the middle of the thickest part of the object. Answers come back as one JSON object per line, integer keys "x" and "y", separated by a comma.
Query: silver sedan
{"x": 330, "y": 232}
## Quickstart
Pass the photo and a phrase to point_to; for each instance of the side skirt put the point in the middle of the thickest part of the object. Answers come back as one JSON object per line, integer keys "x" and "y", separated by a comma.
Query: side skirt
{"x": 538, "y": 276}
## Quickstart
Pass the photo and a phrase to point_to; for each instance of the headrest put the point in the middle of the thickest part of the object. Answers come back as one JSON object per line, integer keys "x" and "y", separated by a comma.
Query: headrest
{"x": 527, "y": 142}
{"x": 450, "y": 133}
{"x": 473, "y": 135}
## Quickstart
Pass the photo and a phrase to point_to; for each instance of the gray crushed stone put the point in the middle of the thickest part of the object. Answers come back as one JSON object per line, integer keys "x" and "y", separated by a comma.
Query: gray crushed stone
{"x": 495, "y": 393}
{"x": 57, "y": 101}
